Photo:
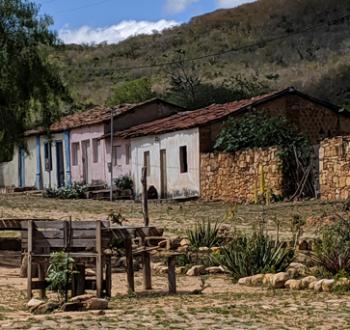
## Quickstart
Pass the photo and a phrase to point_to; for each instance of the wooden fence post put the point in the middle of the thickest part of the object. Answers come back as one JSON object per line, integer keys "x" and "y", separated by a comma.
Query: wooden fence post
{"x": 129, "y": 265}
{"x": 99, "y": 265}
{"x": 144, "y": 197}
{"x": 29, "y": 260}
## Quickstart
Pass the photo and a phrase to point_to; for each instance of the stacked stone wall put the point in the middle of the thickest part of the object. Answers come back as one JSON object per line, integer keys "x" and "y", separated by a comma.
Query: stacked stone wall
{"x": 335, "y": 168}
{"x": 237, "y": 178}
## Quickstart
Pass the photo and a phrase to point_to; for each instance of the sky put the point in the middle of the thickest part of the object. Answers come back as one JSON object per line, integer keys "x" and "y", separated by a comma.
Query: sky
{"x": 111, "y": 21}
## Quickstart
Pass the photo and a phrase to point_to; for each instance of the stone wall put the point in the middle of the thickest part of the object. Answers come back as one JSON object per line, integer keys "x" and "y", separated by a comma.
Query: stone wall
{"x": 335, "y": 168}
{"x": 235, "y": 177}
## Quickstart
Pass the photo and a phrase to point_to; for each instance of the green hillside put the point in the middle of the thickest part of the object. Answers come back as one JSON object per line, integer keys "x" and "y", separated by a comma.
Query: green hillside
{"x": 317, "y": 61}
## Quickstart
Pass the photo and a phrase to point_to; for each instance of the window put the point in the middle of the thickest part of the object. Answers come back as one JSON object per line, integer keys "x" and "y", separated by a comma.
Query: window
{"x": 183, "y": 159}
{"x": 147, "y": 162}
{"x": 95, "y": 150}
{"x": 75, "y": 151}
{"x": 117, "y": 155}
{"x": 127, "y": 154}
{"x": 48, "y": 156}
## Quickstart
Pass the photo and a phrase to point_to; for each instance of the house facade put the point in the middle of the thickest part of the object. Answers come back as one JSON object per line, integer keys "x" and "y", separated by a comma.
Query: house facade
{"x": 192, "y": 135}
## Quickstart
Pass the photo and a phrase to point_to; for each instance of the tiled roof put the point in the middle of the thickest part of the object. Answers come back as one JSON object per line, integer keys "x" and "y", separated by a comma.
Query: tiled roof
{"x": 212, "y": 113}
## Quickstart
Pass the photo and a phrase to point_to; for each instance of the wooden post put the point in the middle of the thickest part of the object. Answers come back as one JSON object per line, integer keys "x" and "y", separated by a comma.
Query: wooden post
{"x": 129, "y": 265}
{"x": 41, "y": 275}
{"x": 147, "y": 273}
{"x": 108, "y": 276}
{"x": 172, "y": 274}
{"x": 144, "y": 197}
{"x": 29, "y": 256}
{"x": 78, "y": 280}
{"x": 99, "y": 262}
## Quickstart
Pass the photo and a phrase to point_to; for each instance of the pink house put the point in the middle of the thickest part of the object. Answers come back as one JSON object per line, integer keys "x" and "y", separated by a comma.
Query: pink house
{"x": 89, "y": 138}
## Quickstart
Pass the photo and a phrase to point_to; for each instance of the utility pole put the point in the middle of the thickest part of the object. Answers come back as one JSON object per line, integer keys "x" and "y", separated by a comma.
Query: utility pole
{"x": 111, "y": 167}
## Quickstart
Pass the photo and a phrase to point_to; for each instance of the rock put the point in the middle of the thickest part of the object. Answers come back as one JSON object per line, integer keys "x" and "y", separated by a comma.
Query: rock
{"x": 297, "y": 269}
{"x": 34, "y": 303}
{"x": 196, "y": 270}
{"x": 245, "y": 280}
{"x": 327, "y": 285}
{"x": 317, "y": 286}
{"x": 215, "y": 270}
{"x": 184, "y": 248}
{"x": 203, "y": 249}
{"x": 89, "y": 272}
{"x": 47, "y": 307}
{"x": 82, "y": 297}
{"x": 267, "y": 279}
{"x": 163, "y": 270}
{"x": 156, "y": 265}
{"x": 215, "y": 249}
{"x": 96, "y": 304}
{"x": 306, "y": 281}
{"x": 342, "y": 282}
{"x": 293, "y": 284}
{"x": 257, "y": 280}
{"x": 180, "y": 270}
{"x": 173, "y": 243}
{"x": 278, "y": 280}
{"x": 184, "y": 242}
{"x": 76, "y": 306}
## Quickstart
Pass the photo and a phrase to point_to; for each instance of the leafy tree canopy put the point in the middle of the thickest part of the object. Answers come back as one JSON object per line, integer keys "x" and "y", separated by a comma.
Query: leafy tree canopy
{"x": 134, "y": 91}
{"x": 30, "y": 86}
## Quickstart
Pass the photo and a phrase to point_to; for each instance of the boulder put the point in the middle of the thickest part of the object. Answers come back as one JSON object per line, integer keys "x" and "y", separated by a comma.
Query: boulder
{"x": 306, "y": 281}
{"x": 245, "y": 280}
{"x": 46, "y": 308}
{"x": 293, "y": 284}
{"x": 82, "y": 297}
{"x": 327, "y": 285}
{"x": 196, "y": 270}
{"x": 34, "y": 303}
{"x": 183, "y": 249}
{"x": 203, "y": 249}
{"x": 184, "y": 242}
{"x": 317, "y": 286}
{"x": 278, "y": 280}
{"x": 267, "y": 279}
{"x": 180, "y": 270}
{"x": 342, "y": 282}
{"x": 215, "y": 270}
{"x": 215, "y": 249}
{"x": 296, "y": 269}
{"x": 257, "y": 280}
{"x": 76, "y": 306}
{"x": 96, "y": 304}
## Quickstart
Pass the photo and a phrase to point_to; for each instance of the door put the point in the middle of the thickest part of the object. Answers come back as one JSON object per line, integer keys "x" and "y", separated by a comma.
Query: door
{"x": 163, "y": 175}
{"x": 21, "y": 168}
{"x": 60, "y": 164}
{"x": 85, "y": 148}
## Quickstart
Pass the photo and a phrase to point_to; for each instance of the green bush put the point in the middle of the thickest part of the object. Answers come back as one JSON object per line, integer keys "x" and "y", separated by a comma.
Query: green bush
{"x": 124, "y": 183}
{"x": 60, "y": 272}
{"x": 255, "y": 254}
{"x": 75, "y": 191}
{"x": 204, "y": 234}
{"x": 332, "y": 251}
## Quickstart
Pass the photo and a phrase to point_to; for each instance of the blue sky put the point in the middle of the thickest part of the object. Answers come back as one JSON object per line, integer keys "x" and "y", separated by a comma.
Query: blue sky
{"x": 88, "y": 21}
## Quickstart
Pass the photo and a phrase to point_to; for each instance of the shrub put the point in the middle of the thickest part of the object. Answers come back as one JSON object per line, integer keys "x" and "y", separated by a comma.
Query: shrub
{"x": 124, "y": 183}
{"x": 332, "y": 251}
{"x": 204, "y": 234}
{"x": 255, "y": 254}
{"x": 75, "y": 191}
{"x": 60, "y": 272}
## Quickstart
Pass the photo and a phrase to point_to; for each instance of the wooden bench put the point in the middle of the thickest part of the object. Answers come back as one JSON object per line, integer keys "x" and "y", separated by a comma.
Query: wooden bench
{"x": 80, "y": 239}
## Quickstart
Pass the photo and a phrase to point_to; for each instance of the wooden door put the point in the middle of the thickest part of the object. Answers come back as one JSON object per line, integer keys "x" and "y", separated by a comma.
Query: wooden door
{"x": 85, "y": 146}
{"x": 163, "y": 175}
{"x": 60, "y": 164}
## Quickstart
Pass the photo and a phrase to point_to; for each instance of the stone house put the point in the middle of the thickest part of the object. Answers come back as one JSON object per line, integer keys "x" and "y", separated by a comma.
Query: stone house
{"x": 178, "y": 150}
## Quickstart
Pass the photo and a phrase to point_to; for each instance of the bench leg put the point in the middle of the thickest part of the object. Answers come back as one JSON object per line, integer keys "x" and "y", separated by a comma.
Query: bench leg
{"x": 108, "y": 277}
{"x": 172, "y": 274}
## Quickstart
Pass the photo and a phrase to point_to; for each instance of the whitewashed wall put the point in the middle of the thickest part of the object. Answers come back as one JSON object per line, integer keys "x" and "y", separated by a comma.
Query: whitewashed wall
{"x": 9, "y": 171}
{"x": 178, "y": 184}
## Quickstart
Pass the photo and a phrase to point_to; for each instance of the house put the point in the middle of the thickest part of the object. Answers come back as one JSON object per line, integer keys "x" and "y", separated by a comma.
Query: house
{"x": 173, "y": 149}
{"x": 79, "y": 149}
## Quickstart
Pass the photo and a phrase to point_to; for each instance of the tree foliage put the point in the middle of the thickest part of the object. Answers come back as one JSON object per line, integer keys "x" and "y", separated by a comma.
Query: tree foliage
{"x": 30, "y": 86}
{"x": 134, "y": 91}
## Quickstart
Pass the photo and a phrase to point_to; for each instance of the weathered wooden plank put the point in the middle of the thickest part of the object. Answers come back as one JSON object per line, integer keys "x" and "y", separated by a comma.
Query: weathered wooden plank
{"x": 29, "y": 268}
{"x": 99, "y": 262}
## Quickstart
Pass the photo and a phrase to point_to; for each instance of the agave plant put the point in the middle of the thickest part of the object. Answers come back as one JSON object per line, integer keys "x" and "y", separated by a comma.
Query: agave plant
{"x": 204, "y": 234}
{"x": 250, "y": 255}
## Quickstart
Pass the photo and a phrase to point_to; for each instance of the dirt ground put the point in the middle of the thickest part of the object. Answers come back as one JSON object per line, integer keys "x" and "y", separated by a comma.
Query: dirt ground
{"x": 223, "y": 305}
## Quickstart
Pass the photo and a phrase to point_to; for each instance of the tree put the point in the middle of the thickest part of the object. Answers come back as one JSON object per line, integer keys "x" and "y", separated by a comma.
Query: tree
{"x": 30, "y": 86}
{"x": 134, "y": 91}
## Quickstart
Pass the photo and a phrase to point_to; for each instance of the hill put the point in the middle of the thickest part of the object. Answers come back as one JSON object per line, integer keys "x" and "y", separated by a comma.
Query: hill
{"x": 317, "y": 61}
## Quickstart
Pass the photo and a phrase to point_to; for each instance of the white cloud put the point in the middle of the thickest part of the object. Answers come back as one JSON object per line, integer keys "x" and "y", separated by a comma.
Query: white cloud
{"x": 112, "y": 34}
{"x": 232, "y": 3}
{"x": 177, "y": 6}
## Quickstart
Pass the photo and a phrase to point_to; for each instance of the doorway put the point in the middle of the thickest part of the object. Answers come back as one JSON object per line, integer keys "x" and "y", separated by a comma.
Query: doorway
{"x": 163, "y": 175}
{"x": 85, "y": 148}
{"x": 60, "y": 163}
